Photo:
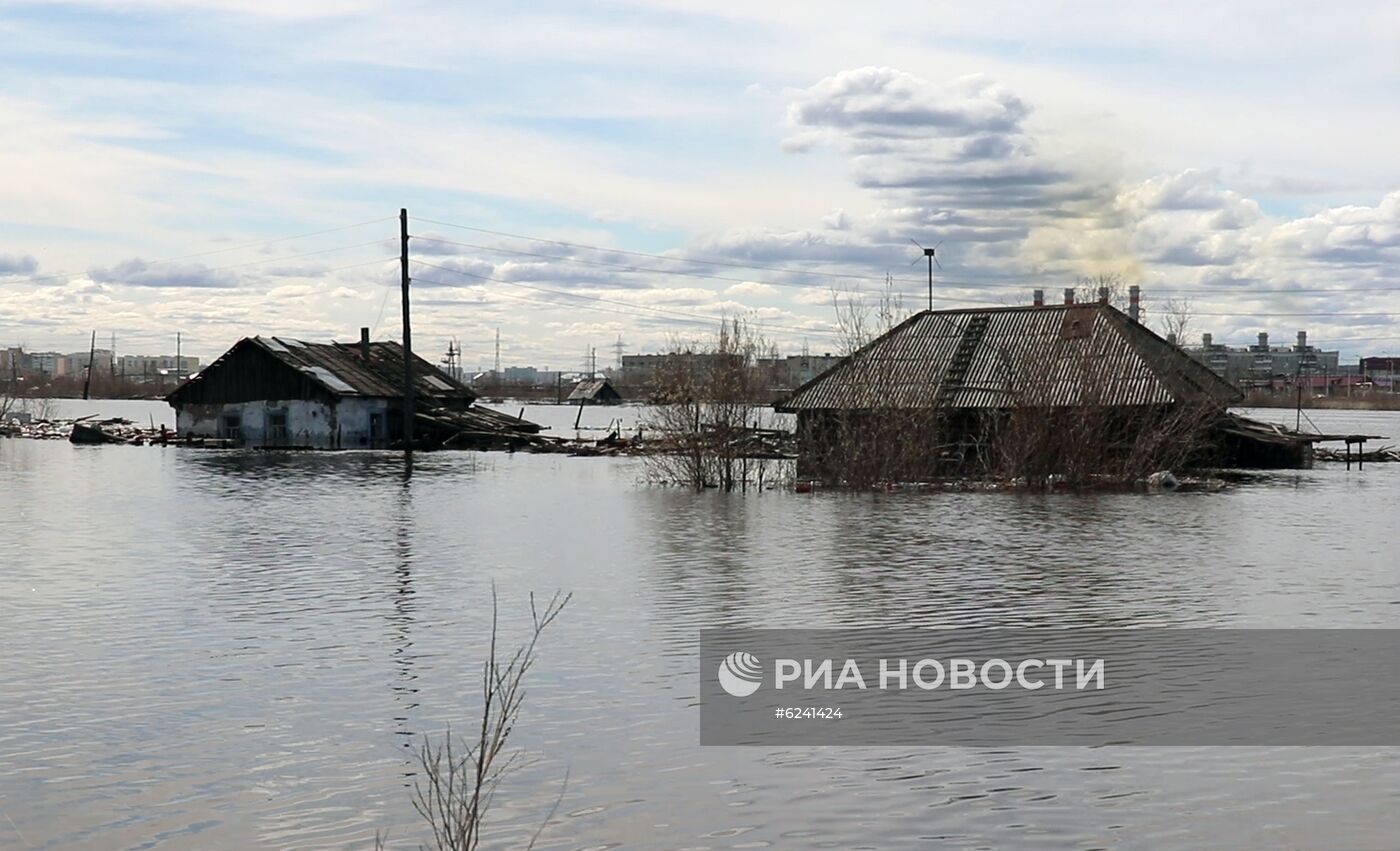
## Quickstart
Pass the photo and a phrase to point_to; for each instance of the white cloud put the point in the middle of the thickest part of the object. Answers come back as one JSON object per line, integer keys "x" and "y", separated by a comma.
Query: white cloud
{"x": 751, "y": 289}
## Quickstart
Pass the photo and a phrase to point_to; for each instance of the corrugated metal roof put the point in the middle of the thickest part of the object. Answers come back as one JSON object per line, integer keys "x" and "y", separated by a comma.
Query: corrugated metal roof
{"x": 343, "y": 371}
{"x": 1052, "y": 356}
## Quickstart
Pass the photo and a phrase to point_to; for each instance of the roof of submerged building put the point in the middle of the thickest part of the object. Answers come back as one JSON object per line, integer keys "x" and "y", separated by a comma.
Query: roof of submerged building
{"x": 282, "y": 368}
{"x": 1005, "y": 357}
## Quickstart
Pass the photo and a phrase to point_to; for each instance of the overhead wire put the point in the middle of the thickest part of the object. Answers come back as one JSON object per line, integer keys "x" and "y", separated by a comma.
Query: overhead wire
{"x": 226, "y": 249}
{"x": 628, "y": 308}
{"x": 957, "y": 284}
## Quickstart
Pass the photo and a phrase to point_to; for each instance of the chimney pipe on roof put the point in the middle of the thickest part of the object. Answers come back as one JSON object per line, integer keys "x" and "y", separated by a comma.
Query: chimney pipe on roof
{"x": 1038, "y": 298}
{"x": 1069, "y": 295}
{"x": 364, "y": 343}
{"x": 1134, "y": 302}
{"x": 1103, "y": 295}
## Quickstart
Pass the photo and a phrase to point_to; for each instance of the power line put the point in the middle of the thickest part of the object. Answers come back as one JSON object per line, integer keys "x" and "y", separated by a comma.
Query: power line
{"x": 626, "y": 268}
{"x": 303, "y": 254}
{"x": 239, "y": 247}
{"x": 701, "y": 261}
{"x": 630, "y": 309}
{"x": 1212, "y": 314}
{"x": 789, "y": 270}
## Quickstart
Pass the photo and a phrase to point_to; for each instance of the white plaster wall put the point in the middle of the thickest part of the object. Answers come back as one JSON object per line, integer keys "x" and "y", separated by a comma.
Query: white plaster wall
{"x": 343, "y": 425}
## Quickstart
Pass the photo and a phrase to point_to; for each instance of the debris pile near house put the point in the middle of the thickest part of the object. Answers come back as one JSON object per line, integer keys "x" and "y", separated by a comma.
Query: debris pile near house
{"x": 82, "y": 430}
{"x": 473, "y": 427}
{"x": 1384, "y": 453}
{"x": 746, "y": 442}
{"x": 118, "y": 430}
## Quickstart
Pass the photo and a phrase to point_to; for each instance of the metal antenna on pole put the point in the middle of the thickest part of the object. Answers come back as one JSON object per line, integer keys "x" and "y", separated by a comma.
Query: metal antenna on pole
{"x": 931, "y": 254}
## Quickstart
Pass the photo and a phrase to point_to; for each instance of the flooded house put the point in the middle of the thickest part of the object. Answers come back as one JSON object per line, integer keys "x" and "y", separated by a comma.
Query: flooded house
{"x": 1024, "y": 391}
{"x": 275, "y": 391}
{"x": 594, "y": 391}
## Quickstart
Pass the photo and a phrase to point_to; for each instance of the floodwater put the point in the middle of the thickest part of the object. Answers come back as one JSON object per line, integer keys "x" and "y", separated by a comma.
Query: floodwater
{"x": 233, "y": 650}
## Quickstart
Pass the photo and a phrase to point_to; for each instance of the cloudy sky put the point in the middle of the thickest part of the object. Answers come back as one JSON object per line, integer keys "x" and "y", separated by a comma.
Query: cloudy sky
{"x": 580, "y": 173}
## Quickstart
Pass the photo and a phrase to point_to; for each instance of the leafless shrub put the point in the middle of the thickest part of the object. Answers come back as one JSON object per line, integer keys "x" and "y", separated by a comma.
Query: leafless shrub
{"x": 862, "y": 316}
{"x": 1176, "y": 319}
{"x": 1065, "y": 423}
{"x": 459, "y": 781}
{"x": 1060, "y": 421}
{"x": 1088, "y": 288}
{"x": 709, "y": 417}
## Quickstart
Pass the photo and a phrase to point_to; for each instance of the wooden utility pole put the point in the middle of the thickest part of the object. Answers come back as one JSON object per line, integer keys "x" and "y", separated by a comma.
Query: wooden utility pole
{"x": 408, "y": 404}
{"x": 92, "y": 353}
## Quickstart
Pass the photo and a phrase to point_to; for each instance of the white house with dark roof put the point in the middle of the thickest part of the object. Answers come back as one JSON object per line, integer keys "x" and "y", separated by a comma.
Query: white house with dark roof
{"x": 274, "y": 391}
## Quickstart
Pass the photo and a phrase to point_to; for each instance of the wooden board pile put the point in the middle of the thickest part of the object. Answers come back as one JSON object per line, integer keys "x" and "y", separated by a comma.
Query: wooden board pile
{"x": 1384, "y": 453}
{"x": 472, "y": 428}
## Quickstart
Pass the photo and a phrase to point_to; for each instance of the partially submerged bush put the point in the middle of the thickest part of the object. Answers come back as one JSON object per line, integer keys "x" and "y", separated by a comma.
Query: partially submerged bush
{"x": 709, "y": 411}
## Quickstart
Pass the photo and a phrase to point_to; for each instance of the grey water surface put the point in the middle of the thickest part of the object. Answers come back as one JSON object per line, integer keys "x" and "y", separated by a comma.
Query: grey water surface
{"x": 232, "y": 650}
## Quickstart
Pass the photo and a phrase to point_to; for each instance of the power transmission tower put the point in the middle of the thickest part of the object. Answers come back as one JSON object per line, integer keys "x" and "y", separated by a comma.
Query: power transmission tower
{"x": 618, "y": 346}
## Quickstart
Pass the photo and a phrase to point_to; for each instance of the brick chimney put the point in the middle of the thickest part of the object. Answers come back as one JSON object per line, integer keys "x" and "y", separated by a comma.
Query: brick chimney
{"x": 1069, "y": 295}
{"x": 1103, "y": 295}
{"x": 1135, "y": 303}
{"x": 1038, "y": 298}
{"x": 364, "y": 343}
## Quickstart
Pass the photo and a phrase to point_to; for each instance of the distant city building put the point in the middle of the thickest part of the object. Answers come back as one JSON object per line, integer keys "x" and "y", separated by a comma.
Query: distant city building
{"x": 15, "y": 361}
{"x": 796, "y": 370}
{"x": 76, "y": 363}
{"x": 1380, "y": 372}
{"x": 44, "y": 363}
{"x": 1263, "y": 365}
{"x": 520, "y": 375}
{"x": 150, "y": 367}
{"x": 11, "y": 361}
{"x": 647, "y": 369}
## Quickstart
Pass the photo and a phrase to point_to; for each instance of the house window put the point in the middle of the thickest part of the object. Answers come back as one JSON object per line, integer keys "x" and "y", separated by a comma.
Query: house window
{"x": 231, "y": 426}
{"x": 277, "y": 427}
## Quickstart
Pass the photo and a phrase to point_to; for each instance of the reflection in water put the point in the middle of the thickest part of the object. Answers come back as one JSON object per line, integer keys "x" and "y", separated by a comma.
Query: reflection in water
{"x": 232, "y": 650}
{"x": 400, "y": 618}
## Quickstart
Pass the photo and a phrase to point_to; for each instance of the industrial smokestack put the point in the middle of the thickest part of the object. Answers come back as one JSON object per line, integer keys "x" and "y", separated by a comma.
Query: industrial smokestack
{"x": 1134, "y": 302}
{"x": 1069, "y": 295}
{"x": 364, "y": 343}
{"x": 1038, "y": 298}
{"x": 1103, "y": 295}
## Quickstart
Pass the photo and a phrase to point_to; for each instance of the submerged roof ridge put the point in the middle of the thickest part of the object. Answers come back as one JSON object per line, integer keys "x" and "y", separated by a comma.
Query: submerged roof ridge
{"x": 1019, "y": 353}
